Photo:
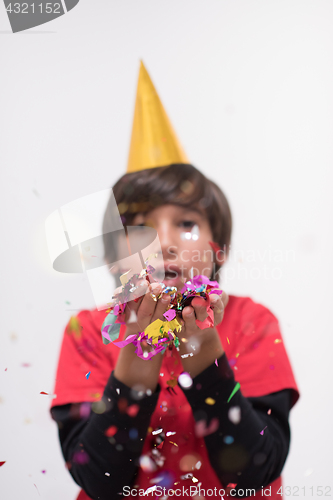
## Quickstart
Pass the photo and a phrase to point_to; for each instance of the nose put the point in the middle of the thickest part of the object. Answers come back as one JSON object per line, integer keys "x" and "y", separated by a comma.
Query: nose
{"x": 167, "y": 239}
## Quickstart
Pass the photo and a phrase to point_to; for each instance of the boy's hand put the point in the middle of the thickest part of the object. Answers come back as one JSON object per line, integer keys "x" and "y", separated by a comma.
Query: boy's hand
{"x": 205, "y": 345}
{"x": 198, "y": 311}
{"x": 146, "y": 309}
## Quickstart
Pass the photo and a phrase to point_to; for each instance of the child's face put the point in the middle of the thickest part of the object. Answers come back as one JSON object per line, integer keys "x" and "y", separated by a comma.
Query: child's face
{"x": 184, "y": 236}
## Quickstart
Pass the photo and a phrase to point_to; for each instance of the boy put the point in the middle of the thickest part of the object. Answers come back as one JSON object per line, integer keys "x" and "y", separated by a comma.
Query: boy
{"x": 179, "y": 424}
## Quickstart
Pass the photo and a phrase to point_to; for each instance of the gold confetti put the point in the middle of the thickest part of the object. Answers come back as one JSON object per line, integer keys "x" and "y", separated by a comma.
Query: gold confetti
{"x": 124, "y": 278}
{"x": 210, "y": 401}
{"x": 277, "y": 341}
{"x": 175, "y": 444}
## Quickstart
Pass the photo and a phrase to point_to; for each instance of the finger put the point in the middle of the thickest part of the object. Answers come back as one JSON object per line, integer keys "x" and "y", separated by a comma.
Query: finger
{"x": 225, "y": 298}
{"x": 217, "y": 306}
{"x": 148, "y": 305}
{"x": 133, "y": 305}
{"x": 161, "y": 307}
{"x": 189, "y": 318}
{"x": 200, "y": 308}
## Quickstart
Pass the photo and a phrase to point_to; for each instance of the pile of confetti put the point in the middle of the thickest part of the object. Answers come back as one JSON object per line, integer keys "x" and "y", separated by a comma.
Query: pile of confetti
{"x": 160, "y": 334}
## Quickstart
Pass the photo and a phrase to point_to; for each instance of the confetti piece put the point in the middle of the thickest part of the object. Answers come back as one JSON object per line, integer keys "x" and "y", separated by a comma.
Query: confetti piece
{"x": 43, "y": 471}
{"x": 228, "y": 341}
{"x": 277, "y": 341}
{"x": 36, "y": 489}
{"x": 133, "y": 317}
{"x": 46, "y": 393}
{"x": 87, "y": 375}
{"x": 132, "y": 410}
{"x": 262, "y": 432}
{"x": 107, "y": 473}
{"x": 235, "y": 389}
{"x": 210, "y": 401}
{"x": 6, "y": 369}
{"x": 269, "y": 412}
{"x": 25, "y": 365}
{"x": 234, "y": 414}
{"x": 124, "y": 277}
{"x": 170, "y": 314}
{"x": 185, "y": 380}
{"x": 111, "y": 431}
{"x": 170, "y": 433}
{"x": 216, "y": 362}
{"x": 175, "y": 444}
{"x": 117, "y": 390}
{"x": 194, "y": 479}
{"x": 214, "y": 246}
{"x": 1, "y": 463}
{"x": 201, "y": 429}
{"x": 158, "y": 431}
{"x": 74, "y": 327}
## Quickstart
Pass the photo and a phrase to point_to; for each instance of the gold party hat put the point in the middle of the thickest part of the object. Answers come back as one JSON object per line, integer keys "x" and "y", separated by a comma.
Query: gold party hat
{"x": 153, "y": 142}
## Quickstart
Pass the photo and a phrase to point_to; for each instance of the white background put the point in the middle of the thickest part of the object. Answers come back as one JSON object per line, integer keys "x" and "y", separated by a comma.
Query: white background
{"x": 248, "y": 87}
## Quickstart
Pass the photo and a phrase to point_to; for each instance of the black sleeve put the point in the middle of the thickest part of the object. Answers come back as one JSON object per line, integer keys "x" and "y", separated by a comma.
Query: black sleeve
{"x": 247, "y": 438}
{"x": 102, "y": 463}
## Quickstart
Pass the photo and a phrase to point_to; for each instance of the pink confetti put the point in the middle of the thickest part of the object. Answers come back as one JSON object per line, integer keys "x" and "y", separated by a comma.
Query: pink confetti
{"x": 216, "y": 362}
{"x": 170, "y": 314}
{"x": 202, "y": 430}
{"x": 262, "y": 432}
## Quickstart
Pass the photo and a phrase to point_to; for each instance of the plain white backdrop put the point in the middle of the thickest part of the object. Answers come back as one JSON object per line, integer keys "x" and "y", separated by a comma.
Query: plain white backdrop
{"x": 248, "y": 88}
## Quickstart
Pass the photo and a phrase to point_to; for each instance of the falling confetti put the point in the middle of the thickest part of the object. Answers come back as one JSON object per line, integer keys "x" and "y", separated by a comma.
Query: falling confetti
{"x": 185, "y": 380}
{"x": 235, "y": 389}
{"x": 43, "y": 471}
{"x": 111, "y": 431}
{"x": 107, "y": 473}
{"x": 262, "y": 432}
{"x": 88, "y": 375}
{"x": 46, "y": 393}
{"x": 234, "y": 414}
{"x": 210, "y": 401}
{"x": 277, "y": 341}
{"x": 269, "y": 412}
{"x": 214, "y": 246}
{"x": 228, "y": 341}
{"x": 216, "y": 362}
{"x": 1, "y": 463}
{"x": 132, "y": 410}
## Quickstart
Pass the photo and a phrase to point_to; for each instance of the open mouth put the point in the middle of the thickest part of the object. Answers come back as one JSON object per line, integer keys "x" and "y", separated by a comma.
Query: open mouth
{"x": 173, "y": 275}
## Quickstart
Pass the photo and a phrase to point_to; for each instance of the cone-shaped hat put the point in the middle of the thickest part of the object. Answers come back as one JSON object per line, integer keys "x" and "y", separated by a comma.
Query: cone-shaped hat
{"x": 154, "y": 142}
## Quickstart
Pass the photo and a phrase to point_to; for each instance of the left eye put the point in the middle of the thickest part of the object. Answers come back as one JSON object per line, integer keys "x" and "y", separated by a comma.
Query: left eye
{"x": 187, "y": 223}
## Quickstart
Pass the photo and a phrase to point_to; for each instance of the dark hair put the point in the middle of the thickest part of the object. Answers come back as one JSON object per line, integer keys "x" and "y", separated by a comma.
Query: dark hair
{"x": 178, "y": 184}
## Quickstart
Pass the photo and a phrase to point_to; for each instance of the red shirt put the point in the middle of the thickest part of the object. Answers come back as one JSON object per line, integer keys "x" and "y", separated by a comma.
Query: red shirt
{"x": 253, "y": 344}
